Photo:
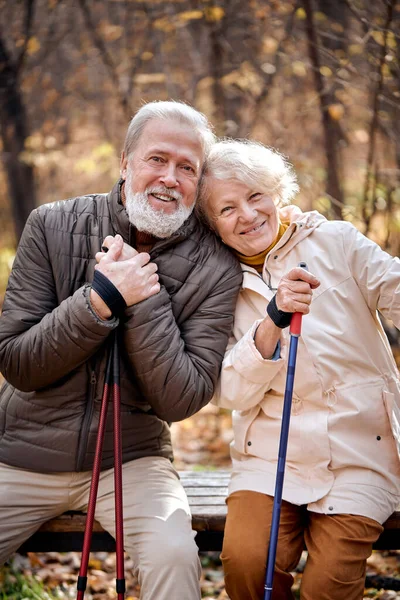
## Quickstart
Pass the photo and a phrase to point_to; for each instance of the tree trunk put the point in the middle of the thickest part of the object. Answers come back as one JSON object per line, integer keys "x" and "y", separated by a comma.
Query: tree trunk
{"x": 14, "y": 131}
{"x": 216, "y": 66}
{"x": 333, "y": 186}
{"x": 368, "y": 207}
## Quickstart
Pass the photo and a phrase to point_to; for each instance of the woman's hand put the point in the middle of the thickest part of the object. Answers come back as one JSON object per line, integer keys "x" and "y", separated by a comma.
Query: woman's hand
{"x": 295, "y": 291}
{"x": 294, "y": 295}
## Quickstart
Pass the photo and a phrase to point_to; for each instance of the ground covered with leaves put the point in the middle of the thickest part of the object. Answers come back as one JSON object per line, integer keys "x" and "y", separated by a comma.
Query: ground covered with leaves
{"x": 200, "y": 442}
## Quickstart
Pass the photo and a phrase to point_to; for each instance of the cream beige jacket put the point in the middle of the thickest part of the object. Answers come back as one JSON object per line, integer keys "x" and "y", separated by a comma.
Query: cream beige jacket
{"x": 345, "y": 423}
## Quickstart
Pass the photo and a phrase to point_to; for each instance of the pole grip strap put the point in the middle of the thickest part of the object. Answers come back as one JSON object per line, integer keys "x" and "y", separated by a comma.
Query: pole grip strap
{"x": 279, "y": 317}
{"x": 109, "y": 293}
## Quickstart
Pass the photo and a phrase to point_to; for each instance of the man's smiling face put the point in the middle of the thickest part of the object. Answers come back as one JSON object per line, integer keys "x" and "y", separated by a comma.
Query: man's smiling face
{"x": 166, "y": 165}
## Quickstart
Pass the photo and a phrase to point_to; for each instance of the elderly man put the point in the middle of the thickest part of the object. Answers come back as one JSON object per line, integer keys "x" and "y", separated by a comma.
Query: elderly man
{"x": 169, "y": 287}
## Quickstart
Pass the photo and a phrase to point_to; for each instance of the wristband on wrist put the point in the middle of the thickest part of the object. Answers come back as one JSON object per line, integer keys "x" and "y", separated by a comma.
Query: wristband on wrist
{"x": 108, "y": 293}
{"x": 280, "y": 318}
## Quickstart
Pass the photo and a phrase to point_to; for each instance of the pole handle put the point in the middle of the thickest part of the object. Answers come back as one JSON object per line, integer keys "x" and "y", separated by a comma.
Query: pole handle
{"x": 295, "y": 322}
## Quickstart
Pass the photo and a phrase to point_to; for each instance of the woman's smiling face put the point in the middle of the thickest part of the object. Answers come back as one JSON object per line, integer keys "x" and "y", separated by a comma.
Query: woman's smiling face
{"x": 246, "y": 219}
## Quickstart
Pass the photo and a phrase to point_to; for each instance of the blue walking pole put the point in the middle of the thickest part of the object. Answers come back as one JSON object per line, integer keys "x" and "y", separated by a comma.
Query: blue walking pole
{"x": 295, "y": 331}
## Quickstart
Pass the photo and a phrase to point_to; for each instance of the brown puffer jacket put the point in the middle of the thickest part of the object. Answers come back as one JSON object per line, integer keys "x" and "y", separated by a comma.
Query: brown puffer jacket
{"x": 53, "y": 347}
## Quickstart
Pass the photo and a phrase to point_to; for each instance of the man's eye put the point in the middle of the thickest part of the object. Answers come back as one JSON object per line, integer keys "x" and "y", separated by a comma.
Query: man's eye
{"x": 156, "y": 158}
{"x": 188, "y": 168}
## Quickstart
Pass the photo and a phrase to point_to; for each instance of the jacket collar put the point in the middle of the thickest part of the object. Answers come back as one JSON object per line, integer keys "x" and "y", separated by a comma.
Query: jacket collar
{"x": 120, "y": 222}
{"x": 302, "y": 224}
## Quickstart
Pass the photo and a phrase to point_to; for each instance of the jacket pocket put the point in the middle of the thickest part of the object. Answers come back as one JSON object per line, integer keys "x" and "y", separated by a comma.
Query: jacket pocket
{"x": 242, "y": 421}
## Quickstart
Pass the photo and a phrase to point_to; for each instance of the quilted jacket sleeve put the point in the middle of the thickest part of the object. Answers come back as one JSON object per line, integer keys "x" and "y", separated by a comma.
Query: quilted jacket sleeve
{"x": 40, "y": 340}
{"x": 376, "y": 272}
{"x": 178, "y": 367}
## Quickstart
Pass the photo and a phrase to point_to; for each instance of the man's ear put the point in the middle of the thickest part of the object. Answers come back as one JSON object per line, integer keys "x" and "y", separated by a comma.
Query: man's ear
{"x": 123, "y": 165}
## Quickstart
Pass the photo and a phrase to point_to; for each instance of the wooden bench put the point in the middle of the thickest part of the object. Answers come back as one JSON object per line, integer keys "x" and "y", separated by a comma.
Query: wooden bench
{"x": 206, "y": 491}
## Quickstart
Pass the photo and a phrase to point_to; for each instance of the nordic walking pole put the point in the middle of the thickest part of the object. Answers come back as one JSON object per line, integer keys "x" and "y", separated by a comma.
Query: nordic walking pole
{"x": 112, "y": 381}
{"x": 82, "y": 577}
{"x": 119, "y": 522}
{"x": 295, "y": 331}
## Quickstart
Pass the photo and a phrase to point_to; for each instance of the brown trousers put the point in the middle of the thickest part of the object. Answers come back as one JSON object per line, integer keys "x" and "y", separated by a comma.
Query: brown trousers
{"x": 338, "y": 547}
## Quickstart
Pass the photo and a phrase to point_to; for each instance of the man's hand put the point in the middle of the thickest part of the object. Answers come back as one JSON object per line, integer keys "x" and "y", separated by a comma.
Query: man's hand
{"x": 295, "y": 291}
{"x": 127, "y": 251}
{"x": 135, "y": 276}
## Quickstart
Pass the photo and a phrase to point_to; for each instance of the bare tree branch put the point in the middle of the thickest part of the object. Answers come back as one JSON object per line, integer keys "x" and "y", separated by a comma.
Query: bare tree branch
{"x": 217, "y": 42}
{"x": 329, "y": 126}
{"x": 375, "y": 115}
{"x": 106, "y": 58}
{"x": 30, "y": 4}
{"x": 268, "y": 80}
{"x": 357, "y": 13}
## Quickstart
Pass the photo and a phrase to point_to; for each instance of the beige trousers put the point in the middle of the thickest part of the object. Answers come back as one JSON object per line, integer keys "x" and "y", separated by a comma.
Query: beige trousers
{"x": 157, "y": 525}
{"x": 338, "y": 547}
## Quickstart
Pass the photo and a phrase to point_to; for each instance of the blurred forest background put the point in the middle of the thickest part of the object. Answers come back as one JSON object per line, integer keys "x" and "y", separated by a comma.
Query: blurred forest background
{"x": 317, "y": 79}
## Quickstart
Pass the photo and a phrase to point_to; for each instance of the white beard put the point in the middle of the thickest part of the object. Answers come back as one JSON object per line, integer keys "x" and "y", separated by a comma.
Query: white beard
{"x": 145, "y": 218}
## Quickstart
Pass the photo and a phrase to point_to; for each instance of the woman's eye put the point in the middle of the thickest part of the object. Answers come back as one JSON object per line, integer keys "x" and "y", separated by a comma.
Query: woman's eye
{"x": 255, "y": 196}
{"x": 226, "y": 209}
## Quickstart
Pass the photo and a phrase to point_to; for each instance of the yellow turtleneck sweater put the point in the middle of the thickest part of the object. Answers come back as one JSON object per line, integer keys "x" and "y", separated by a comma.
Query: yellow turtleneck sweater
{"x": 257, "y": 261}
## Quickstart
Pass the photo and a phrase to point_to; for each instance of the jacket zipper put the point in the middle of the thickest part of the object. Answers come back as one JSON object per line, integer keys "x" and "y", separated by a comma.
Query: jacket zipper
{"x": 83, "y": 439}
{"x": 254, "y": 272}
{"x": 270, "y": 253}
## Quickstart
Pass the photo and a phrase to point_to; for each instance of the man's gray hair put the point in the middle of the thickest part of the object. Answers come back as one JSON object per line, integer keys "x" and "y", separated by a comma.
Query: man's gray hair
{"x": 253, "y": 164}
{"x": 169, "y": 111}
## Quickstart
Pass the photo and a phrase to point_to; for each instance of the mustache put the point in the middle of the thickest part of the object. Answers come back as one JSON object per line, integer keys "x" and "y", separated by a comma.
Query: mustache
{"x": 161, "y": 189}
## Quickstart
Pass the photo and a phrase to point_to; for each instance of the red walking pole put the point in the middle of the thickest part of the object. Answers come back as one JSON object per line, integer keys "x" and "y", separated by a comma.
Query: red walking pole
{"x": 119, "y": 520}
{"x": 112, "y": 381}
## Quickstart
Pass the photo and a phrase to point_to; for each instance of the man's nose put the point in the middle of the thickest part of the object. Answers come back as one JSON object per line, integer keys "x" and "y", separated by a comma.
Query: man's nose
{"x": 168, "y": 177}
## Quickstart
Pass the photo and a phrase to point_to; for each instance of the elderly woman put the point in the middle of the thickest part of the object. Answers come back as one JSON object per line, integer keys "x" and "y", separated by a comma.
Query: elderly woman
{"x": 342, "y": 477}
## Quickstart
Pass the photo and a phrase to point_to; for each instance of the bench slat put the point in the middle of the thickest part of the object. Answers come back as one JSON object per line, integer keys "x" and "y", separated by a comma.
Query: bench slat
{"x": 206, "y": 491}
{"x": 217, "y": 492}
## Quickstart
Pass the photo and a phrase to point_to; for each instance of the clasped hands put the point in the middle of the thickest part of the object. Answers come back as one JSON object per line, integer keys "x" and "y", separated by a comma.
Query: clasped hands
{"x": 130, "y": 271}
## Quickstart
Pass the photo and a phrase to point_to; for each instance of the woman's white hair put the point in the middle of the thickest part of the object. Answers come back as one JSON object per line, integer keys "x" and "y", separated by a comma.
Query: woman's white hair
{"x": 257, "y": 166}
{"x": 168, "y": 111}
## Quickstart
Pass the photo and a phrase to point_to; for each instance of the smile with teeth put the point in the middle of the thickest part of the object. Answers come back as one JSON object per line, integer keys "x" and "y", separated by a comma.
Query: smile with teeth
{"x": 163, "y": 198}
{"x": 253, "y": 229}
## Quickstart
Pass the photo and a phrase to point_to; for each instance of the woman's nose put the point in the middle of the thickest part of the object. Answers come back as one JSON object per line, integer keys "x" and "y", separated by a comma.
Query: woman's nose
{"x": 247, "y": 213}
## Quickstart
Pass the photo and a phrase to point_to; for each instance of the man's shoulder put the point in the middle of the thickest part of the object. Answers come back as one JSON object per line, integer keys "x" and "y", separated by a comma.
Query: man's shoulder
{"x": 63, "y": 215}
{"x": 208, "y": 250}
{"x": 78, "y": 205}
{"x": 219, "y": 252}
